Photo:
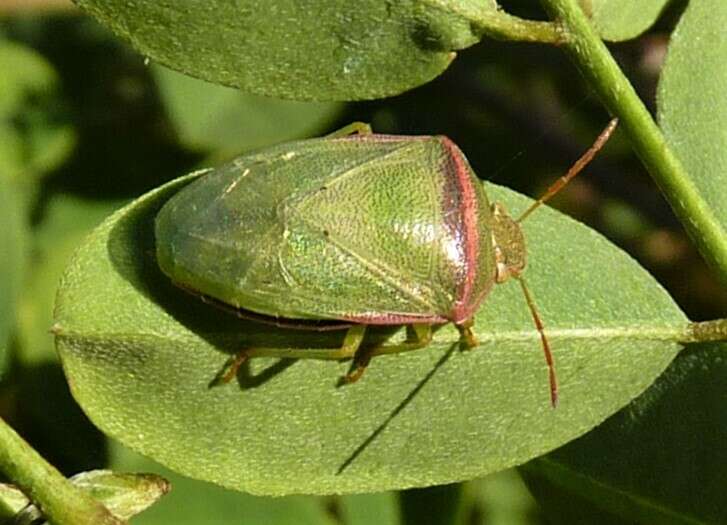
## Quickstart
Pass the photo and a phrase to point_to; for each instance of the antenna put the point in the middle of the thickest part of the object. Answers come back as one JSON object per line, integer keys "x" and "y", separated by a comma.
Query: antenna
{"x": 546, "y": 346}
{"x": 574, "y": 170}
{"x": 554, "y": 188}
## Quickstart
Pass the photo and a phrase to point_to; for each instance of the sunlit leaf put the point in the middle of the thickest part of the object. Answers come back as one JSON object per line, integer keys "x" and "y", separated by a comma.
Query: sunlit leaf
{"x": 140, "y": 355}
{"x": 319, "y": 50}
{"x": 692, "y": 100}
{"x": 617, "y": 20}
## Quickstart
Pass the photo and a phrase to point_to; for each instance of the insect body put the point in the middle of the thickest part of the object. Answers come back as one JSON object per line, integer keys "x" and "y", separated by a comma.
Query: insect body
{"x": 365, "y": 228}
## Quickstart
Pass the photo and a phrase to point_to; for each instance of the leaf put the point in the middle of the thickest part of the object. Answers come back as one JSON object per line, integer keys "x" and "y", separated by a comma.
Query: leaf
{"x": 692, "y": 100}
{"x": 125, "y": 495}
{"x": 13, "y": 239}
{"x": 35, "y": 135}
{"x": 193, "y": 502}
{"x": 12, "y": 501}
{"x": 227, "y": 122}
{"x": 669, "y": 439}
{"x": 501, "y": 499}
{"x": 370, "y": 509}
{"x": 316, "y": 50}
{"x": 618, "y": 20}
{"x": 66, "y": 221}
{"x": 140, "y": 354}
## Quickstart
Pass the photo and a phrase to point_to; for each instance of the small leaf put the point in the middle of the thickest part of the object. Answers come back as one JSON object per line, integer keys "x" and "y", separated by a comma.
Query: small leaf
{"x": 316, "y": 50}
{"x": 692, "y": 100}
{"x": 140, "y": 355}
{"x": 12, "y": 501}
{"x": 226, "y": 121}
{"x": 125, "y": 495}
{"x": 670, "y": 438}
{"x": 194, "y": 502}
{"x": 617, "y": 20}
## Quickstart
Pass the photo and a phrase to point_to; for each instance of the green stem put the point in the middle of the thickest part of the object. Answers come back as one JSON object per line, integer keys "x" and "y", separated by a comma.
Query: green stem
{"x": 490, "y": 20}
{"x": 503, "y": 26}
{"x": 58, "y": 499}
{"x": 617, "y": 94}
{"x": 705, "y": 331}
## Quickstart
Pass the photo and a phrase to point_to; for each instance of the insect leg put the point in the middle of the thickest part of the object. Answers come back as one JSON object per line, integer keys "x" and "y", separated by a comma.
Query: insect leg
{"x": 232, "y": 366}
{"x": 467, "y": 339}
{"x": 351, "y": 342}
{"x": 358, "y": 128}
{"x": 419, "y": 335}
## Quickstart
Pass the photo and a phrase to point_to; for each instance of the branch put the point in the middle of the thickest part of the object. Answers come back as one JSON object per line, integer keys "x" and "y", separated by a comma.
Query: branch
{"x": 600, "y": 69}
{"x": 61, "y": 502}
{"x": 503, "y": 26}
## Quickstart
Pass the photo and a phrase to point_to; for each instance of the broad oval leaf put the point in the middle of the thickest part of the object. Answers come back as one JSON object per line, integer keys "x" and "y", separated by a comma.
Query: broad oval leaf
{"x": 692, "y": 100}
{"x": 226, "y": 121}
{"x": 140, "y": 355}
{"x": 319, "y": 50}
{"x": 617, "y": 20}
{"x": 670, "y": 438}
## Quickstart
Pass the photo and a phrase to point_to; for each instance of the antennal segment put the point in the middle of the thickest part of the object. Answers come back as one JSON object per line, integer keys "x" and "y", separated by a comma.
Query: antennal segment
{"x": 546, "y": 346}
{"x": 574, "y": 170}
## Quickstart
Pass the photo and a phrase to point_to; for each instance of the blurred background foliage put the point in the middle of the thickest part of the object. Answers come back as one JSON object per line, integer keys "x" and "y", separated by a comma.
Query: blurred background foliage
{"x": 86, "y": 125}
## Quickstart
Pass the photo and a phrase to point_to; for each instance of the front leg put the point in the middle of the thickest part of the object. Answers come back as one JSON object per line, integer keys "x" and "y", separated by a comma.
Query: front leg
{"x": 419, "y": 336}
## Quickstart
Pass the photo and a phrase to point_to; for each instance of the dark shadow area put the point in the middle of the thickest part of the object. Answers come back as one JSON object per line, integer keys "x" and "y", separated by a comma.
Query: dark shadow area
{"x": 244, "y": 376}
{"x": 47, "y": 416}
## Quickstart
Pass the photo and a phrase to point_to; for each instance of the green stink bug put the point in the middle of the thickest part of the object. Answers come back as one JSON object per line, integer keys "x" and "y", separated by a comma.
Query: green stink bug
{"x": 362, "y": 228}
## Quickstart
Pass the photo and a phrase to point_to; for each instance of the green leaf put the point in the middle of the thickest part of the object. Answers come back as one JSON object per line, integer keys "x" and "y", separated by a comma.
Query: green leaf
{"x": 692, "y": 100}
{"x": 193, "y": 502}
{"x": 125, "y": 495}
{"x": 35, "y": 136}
{"x": 502, "y": 499}
{"x": 317, "y": 50}
{"x": 66, "y": 221}
{"x": 140, "y": 355}
{"x": 671, "y": 438}
{"x": 618, "y": 20}
{"x": 227, "y": 122}
{"x": 12, "y": 501}
{"x": 381, "y": 508}
{"x": 13, "y": 239}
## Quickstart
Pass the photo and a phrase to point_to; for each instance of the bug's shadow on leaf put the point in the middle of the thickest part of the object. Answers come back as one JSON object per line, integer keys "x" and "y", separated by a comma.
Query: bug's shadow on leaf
{"x": 131, "y": 249}
{"x": 245, "y": 377}
{"x": 370, "y": 439}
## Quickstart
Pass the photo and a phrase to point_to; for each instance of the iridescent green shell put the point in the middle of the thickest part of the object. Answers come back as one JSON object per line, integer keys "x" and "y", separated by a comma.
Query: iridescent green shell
{"x": 378, "y": 229}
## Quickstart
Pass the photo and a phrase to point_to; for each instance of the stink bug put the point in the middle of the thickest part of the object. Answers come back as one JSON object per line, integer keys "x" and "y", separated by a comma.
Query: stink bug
{"x": 355, "y": 227}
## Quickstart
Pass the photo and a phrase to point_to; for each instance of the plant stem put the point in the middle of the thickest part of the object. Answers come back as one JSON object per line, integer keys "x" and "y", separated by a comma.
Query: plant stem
{"x": 490, "y": 20}
{"x": 705, "y": 331}
{"x": 58, "y": 499}
{"x": 503, "y": 26}
{"x": 600, "y": 69}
